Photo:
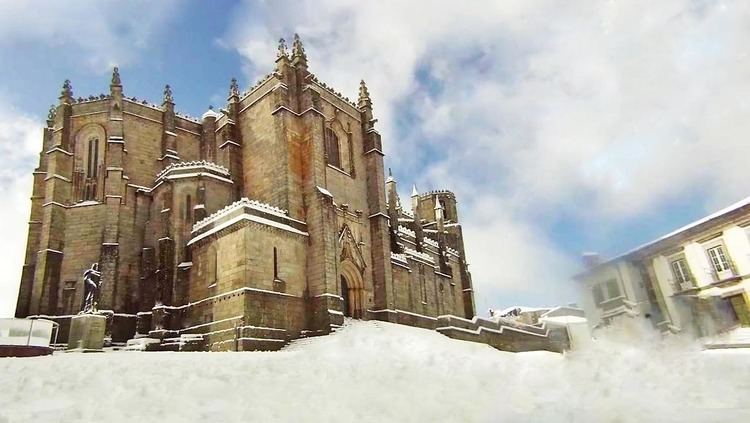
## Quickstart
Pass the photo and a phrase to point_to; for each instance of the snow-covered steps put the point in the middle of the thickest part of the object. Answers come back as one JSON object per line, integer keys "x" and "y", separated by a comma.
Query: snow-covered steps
{"x": 140, "y": 344}
{"x": 736, "y": 338}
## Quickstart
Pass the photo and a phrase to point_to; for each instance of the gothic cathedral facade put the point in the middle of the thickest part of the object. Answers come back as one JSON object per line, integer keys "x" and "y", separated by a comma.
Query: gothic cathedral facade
{"x": 269, "y": 219}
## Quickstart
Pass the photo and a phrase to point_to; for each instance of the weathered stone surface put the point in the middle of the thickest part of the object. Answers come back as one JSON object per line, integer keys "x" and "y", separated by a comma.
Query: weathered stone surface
{"x": 87, "y": 332}
{"x": 145, "y": 192}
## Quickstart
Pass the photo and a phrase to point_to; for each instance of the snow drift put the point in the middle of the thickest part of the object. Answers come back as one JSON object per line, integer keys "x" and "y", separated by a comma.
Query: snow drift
{"x": 376, "y": 371}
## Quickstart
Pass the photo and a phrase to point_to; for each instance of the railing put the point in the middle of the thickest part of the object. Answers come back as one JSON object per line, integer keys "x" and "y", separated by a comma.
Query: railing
{"x": 27, "y": 332}
{"x": 679, "y": 285}
{"x": 613, "y": 303}
{"x": 724, "y": 274}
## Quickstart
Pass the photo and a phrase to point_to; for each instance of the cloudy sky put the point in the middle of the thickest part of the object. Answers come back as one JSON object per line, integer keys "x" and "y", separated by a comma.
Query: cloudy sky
{"x": 562, "y": 126}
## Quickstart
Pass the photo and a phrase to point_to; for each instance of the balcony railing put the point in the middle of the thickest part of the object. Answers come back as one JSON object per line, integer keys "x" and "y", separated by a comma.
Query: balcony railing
{"x": 612, "y": 303}
{"x": 724, "y": 275}
{"x": 679, "y": 285}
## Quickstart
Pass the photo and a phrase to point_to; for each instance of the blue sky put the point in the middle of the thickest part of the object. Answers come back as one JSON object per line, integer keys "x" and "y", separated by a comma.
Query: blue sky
{"x": 562, "y": 126}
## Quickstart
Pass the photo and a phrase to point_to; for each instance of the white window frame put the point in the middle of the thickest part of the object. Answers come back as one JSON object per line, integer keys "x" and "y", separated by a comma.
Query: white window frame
{"x": 680, "y": 271}
{"x": 718, "y": 258}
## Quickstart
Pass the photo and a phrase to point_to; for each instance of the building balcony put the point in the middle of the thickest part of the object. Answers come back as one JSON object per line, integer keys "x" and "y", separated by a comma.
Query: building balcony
{"x": 612, "y": 303}
{"x": 728, "y": 275}
{"x": 682, "y": 286}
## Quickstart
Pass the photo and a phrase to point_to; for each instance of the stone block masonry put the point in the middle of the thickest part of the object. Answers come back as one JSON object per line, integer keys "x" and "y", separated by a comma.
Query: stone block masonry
{"x": 265, "y": 220}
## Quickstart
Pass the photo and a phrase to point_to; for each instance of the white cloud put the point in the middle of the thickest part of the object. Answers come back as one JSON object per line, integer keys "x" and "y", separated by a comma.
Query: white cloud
{"x": 605, "y": 110}
{"x": 20, "y": 142}
{"x": 99, "y": 33}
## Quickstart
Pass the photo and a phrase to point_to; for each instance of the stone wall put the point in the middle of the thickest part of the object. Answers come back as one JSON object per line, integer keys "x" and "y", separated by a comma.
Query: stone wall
{"x": 504, "y": 337}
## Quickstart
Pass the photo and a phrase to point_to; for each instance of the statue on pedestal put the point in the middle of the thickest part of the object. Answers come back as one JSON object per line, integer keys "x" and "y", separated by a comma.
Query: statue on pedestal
{"x": 92, "y": 282}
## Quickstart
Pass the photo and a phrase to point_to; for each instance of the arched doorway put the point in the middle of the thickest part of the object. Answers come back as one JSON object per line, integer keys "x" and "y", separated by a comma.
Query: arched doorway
{"x": 352, "y": 290}
{"x": 345, "y": 296}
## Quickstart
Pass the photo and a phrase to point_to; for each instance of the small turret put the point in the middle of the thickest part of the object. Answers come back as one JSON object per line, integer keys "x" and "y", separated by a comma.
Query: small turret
{"x": 364, "y": 103}
{"x": 169, "y": 139}
{"x": 234, "y": 90}
{"x": 439, "y": 216}
{"x": 393, "y": 205}
{"x": 282, "y": 60}
{"x": 391, "y": 194}
{"x": 168, "y": 95}
{"x": 115, "y": 93}
{"x": 414, "y": 199}
{"x": 364, "y": 100}
{"x": 299, "y": 58}
{"x": 282, "y": 50}
{"x": 210, "y": 114}
{"x": 51, "y": 116}
{"x": 116, "y": 77}
{"x": 66, "y": 95}
{"x": 419, "y": 235}
{"x": 208, "y": 136}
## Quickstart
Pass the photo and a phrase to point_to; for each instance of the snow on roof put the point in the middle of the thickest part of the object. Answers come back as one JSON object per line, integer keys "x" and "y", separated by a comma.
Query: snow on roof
{"x": 324, "y": 191}
{"x": 563, "y": 319}
{"x": 210, "y": 113}
{"x": 244, "y": 202}
{"x": 194, "y": 165}
{"x": 712, "y": 216}
{"x": 406, "y": 231}
{"x": 521, "y": 309}
{"x": 417, "y": 255}
{"x": 430, "y": 241}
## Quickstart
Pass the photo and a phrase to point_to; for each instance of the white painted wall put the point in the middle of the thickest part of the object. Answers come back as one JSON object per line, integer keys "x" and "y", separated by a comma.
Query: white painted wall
{"x": 663, "y": 278}
{"x": 697, "y": 259}
{"x": 738, "y": 246}
{"x": 628, "y": 283}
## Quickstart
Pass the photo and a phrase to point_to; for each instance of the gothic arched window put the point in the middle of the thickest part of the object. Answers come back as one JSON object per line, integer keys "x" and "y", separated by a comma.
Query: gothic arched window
{"x": 332, "y": 148}
{"x": 93, "y": 158}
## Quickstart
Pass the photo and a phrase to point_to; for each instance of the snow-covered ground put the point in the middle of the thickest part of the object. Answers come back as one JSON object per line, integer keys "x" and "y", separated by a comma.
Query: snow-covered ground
{"x": 374, "y": 371}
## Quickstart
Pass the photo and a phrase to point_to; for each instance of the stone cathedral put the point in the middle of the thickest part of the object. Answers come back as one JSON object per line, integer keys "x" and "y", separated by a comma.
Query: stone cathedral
{"x": 266, "y": 220}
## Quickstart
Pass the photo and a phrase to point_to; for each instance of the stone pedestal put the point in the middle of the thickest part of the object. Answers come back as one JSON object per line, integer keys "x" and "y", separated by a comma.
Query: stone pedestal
{"x": 87, "y": 333}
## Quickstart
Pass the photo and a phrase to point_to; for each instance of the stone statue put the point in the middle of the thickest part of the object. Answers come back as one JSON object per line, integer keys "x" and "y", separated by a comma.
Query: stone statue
{"x": 92, "y": 282}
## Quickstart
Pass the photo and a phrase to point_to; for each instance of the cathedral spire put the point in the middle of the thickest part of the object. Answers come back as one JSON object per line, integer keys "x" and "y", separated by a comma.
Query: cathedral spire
{"x": 168, "y": 94}
{"x": 364, "y": 96}
{"x": 116, "y": 76}
{"x": 66, "y": 96}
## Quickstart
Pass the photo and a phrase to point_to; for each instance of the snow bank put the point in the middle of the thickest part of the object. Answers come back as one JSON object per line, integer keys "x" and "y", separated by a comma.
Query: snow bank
{"x": 374, "y": 371}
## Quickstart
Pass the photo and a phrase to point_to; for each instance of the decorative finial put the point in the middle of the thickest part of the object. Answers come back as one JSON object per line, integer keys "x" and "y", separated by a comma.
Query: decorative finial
{"x": 389, "y": 172}
{"x": 116, "y": 76}
{"x": 364, "y": 96}
{"x": 414, "y": 192}
{"x": 298, "y": 50}
{"x": 282, "y": 49}
{"x": 67, "y": 91}
{"x": 234, "y": 88}
{"x": 52, "y": 112}
{"x": 168, "y": 94}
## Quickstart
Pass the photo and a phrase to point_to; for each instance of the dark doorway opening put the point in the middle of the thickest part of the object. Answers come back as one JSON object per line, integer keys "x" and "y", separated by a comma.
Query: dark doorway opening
{"x": 345, "y": 296}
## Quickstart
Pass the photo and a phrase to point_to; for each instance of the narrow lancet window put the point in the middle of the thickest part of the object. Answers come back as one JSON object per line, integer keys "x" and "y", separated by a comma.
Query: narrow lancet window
{"x": 332, "y": 148}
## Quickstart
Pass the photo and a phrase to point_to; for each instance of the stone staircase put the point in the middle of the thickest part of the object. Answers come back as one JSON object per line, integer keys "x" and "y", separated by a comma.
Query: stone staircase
{"x": 735, "y": 338}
